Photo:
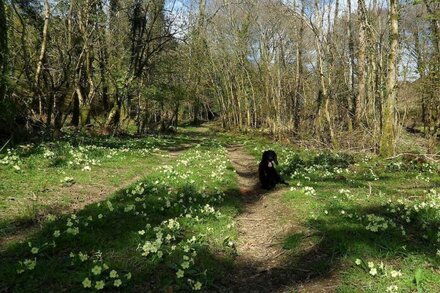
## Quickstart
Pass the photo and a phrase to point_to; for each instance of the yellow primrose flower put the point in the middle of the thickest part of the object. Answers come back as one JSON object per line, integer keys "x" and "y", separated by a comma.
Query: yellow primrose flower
{"x": 392, "y": 289}
{"x": 180, "y": 274}
{"x": 83, "y": 256}
{"x": 34, "y": 250}
{"x": 117, "y": 283}
{"x": 99, "y": 285}
{"x": 358, "y": 261}
{"x": 87, "y": 283}
{"x": 30, "y": 264}
{"x": 197, "y": 286}
{"x": 128, "y": 276}
{"x": 113, "y": 274}
{"x": 96, "y": 270}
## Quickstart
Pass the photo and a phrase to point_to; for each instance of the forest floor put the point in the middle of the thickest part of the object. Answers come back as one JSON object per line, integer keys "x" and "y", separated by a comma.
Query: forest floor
{"x": 185, "y": 212}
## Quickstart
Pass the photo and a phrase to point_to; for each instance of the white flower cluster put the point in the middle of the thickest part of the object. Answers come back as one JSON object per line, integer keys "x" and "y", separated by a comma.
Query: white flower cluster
{"x": 68, "y": 181}
{"x": 346, "y": 193}
{"x": 48, "y": 154}
{"x": 378, "y": 223}
{"x": 422, "y": 177}
{"x": 167, "y": 238}
{"x": 308, "y": 190}
{"x": 100, "y": 275}
{"x": 11, "y": 159}
{"x": 425, "y": 208}
{"x": 80, "y": 158}
{"x": 380, "y": 270}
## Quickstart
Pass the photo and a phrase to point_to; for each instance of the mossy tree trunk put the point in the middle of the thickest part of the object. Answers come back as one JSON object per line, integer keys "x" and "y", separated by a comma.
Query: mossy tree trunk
{"x": 388, "y": 135}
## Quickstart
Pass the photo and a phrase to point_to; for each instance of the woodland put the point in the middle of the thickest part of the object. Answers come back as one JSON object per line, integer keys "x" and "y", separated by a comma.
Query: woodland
{"x": 339, "y": 73}
{"x": 131, "y": 131}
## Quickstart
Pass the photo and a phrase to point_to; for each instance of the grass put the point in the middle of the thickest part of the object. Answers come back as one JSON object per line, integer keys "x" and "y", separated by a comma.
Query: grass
{"x": 40, "y": 187}
{"x": 170, "y": 222}
{"x": 370, "y": 223}
{"x": 385, "y": 213}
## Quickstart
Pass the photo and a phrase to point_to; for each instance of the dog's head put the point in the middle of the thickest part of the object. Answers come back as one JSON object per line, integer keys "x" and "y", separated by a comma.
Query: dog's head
{"x": 270, "y": 158}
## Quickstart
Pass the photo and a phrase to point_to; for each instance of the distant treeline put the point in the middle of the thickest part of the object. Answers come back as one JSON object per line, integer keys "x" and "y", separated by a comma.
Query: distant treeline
{"x": 341, "y": 72}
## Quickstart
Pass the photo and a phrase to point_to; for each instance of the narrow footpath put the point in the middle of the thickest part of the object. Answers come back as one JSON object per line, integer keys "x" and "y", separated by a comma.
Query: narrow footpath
{"x": 262, "y": 265}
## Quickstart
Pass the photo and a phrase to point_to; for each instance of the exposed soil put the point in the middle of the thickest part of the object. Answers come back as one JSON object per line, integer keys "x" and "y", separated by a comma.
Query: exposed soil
{"x": 262, "y": 264}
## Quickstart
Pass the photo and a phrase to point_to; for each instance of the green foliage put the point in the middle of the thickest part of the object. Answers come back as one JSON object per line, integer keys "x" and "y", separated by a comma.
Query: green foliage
{"x": 369, "y": 227}
{"x": 293, "y": 241}
{"x": 418, "y": 278}
{"x": 329, "y": 160}
{"x": 293, "y": 163}
{"x": 373, "y": 221}
{"x": 159, "y": 232}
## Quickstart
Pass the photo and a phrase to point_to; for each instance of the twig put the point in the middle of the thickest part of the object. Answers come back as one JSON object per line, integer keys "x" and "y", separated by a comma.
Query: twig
{"x": 5, "y": 144}
{"x": 279, "y": 254}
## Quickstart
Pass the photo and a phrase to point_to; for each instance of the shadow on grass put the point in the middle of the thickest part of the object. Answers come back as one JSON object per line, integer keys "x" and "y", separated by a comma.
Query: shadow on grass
{"x": 173, "y": 144}
{"x": 334, "y": 239}
{"x": 116, "y": 236}
{"x": 317, "y": 258}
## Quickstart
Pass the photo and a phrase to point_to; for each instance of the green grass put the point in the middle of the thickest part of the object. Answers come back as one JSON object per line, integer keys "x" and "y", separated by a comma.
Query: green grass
{"x": 352, "y": 196}
{"x": 39, "y": 187}
{"x": 349, "y": 208}
{"x": 174, "y": 216}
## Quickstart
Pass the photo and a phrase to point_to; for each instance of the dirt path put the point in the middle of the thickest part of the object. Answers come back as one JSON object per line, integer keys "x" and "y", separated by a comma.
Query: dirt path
{"x": 262, "y": 265}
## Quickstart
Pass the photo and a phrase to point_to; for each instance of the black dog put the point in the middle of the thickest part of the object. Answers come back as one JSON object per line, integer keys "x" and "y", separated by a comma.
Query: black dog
{"x": 269, "y": 176}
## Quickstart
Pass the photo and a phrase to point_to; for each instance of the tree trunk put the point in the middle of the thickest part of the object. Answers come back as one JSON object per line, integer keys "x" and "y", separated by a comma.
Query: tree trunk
{"x": 433, "y": 124}
{"x": 75, "y": 110}
{"x": 3, "y": 50}
{"x": 359, "y": 103}
{"x": 42, "y": 54}
{"x": 351, "y": 98}
{"x": 84, "y": 108}
{"x": 299, "y": 90}
{"x": 388, "y": 136}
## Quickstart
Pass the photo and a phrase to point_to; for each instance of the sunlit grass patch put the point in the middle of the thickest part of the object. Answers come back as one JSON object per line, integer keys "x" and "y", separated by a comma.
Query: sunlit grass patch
{"x": 358, "y": 206}
{"x": 372, "y": 222}
{"x": 166, "y": 230}
{"x": 52, "y": 176}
